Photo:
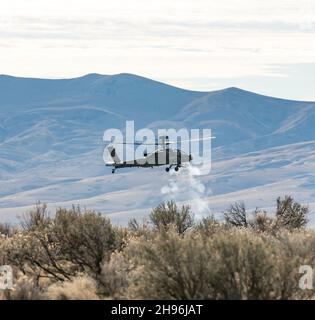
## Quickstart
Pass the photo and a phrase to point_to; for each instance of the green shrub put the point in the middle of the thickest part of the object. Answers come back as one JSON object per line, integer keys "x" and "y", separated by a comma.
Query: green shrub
{"x": 236, "y": 216}
{"x": 291, "y": 214}
{"x": 167, "y": 214}
{"x": 71, "y": 242}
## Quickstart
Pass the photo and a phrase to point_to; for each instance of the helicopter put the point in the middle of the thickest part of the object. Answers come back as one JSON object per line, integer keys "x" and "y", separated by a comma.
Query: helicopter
{"x": 162, "y": 156}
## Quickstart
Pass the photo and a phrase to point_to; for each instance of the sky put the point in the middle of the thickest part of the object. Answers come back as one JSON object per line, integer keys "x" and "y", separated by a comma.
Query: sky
{"x": 263, "y": 46}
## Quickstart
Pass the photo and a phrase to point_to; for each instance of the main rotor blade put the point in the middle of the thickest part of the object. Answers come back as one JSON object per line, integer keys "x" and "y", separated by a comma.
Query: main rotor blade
{"x": 136, "y": 143}
{"x": 202, "y": 139}
{"x": 162, "y": 144}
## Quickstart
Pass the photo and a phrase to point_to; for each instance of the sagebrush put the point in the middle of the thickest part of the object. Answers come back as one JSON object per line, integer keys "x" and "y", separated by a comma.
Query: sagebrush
{"x": 79, "y": 254}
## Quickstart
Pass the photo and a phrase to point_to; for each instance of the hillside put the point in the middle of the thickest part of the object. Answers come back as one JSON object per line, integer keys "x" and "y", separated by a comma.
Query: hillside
{"x": 51, "y": 145}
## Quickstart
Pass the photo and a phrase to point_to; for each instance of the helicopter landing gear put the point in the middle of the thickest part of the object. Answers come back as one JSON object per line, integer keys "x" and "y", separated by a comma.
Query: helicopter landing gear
{"x": 113, "y": 171}
{"x": 167, "y": 169}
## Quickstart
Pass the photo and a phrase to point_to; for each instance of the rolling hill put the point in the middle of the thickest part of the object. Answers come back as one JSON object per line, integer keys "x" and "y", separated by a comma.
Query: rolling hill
{"x": 51, "y": 145}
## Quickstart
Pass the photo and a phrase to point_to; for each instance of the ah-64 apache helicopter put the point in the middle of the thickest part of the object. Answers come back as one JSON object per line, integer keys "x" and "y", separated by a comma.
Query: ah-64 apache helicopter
{"x": 162, "y": 156}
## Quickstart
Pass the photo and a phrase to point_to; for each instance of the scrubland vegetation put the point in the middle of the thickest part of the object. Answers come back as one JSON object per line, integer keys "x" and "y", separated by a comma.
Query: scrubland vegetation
{"x": 79, "y": 254}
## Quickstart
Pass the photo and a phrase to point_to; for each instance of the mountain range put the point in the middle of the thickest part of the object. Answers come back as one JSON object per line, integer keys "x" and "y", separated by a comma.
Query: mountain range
{"x": 51, "y": 146}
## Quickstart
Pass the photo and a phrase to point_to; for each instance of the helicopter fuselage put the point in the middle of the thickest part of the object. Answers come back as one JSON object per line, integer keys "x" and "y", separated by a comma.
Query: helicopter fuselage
{"x": 160, "y": 157}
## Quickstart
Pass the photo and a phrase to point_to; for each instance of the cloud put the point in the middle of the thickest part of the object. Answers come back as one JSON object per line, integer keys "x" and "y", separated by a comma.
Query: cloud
{"x": 161, "y": 39}
{"x": 93, "y": 28}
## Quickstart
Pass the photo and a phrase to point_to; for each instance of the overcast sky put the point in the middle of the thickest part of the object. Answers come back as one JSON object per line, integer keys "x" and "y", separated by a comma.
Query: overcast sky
{"x": 265, "y": 46}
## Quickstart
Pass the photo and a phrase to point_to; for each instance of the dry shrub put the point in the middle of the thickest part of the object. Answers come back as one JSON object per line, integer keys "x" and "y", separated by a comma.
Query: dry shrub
{"x": 289, "y": 215}
{"x": 140, "y": 230}
{"x": 244, "y": 263}
{"x": 294, "y": 249}
{"x": 80, "y": 255}
{"x": 79, "y": 288}
{"x": 261, "y": 222}
{"x": 238, "y": 263}
{"x": 208, "y": 226}
{"x": 259, "y": 266}
{"x": 24, "y": 288}
{"x": 3, "y": 250}
{"x": 236, "y": 215}
{"x": 60, "y": 247}
{"x": 6, "y": 230}
{"x": 170, "y": 267}
{"x": 118, "y": 274}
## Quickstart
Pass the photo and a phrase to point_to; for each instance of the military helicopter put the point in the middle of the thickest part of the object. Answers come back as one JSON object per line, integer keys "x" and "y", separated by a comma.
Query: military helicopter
{"x": 162, "y": 156}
